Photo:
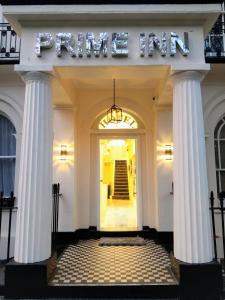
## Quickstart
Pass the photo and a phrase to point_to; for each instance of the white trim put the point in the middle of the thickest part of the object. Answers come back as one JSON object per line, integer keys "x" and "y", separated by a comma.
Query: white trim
{"x": 139, "y": 200}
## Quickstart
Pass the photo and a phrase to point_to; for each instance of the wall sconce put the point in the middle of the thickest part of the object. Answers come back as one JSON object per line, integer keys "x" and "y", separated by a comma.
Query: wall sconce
{"x": 64, "y": 152}
{"x": 168, "y": 152}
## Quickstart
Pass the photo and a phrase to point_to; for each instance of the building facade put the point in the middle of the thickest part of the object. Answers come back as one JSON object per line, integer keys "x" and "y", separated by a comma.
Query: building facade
{"x": 155, "y": 62}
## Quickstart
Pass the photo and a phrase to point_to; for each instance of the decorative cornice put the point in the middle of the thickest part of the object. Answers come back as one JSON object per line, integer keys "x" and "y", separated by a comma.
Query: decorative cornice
{"x": 188, "y": 75}
{"x": 102, "y": 2}
{"x": 36, "y": 75}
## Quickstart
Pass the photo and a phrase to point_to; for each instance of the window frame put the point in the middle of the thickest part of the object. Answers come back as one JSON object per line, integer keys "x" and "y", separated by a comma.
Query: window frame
{"x": 217, "y": 151}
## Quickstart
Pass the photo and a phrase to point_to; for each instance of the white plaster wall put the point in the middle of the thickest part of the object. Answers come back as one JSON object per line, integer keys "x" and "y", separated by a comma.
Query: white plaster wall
{"x": 214, "y": 109}
{"x": 91, "y": 105}
{"x": 64, "y": 171}
{"x": 163, "y": 171}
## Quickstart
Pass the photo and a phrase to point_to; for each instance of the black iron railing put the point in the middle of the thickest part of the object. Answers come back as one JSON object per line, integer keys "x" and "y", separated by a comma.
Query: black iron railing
{"x": 218, "y": 210}
{"x": 7, "y": 207}
{"x": 215, "y": 42}
{"x": 55, "y": 206}
{"x": 9, "y": 45}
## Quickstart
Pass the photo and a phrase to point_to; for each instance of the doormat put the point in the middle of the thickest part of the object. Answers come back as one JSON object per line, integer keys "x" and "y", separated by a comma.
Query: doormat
{"x": 123, "y": 241}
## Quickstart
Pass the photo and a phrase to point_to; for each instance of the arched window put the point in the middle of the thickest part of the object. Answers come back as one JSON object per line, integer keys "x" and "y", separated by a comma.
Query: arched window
{"x": 219, "y": 143}
{"x": 7, "y": 155}
{"x": 128, "y": 122}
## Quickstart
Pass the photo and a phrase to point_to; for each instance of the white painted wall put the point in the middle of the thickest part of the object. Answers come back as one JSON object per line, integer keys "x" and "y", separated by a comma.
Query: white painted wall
{"x": 214, "y": 109}
{"x": 64, "y": 171}
{"x": 92, "y": 104}
{"x": 163, "y": 171}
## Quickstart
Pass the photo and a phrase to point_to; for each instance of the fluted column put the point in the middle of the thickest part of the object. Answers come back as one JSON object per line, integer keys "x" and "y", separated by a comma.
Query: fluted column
{"x": 192, "y": 231}
{"x": 33, "y": 230}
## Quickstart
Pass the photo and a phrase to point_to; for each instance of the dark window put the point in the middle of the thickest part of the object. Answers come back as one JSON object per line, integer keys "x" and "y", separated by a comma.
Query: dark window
{"x": 219, "y": 144}
{"x": 7, "y": 155}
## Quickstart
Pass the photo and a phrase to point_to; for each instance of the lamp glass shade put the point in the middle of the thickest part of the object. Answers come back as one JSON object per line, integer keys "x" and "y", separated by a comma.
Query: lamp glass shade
{"x": 63, "y": 152}
{"x": 114, "y": 114}
{"x": 168, "y": 152}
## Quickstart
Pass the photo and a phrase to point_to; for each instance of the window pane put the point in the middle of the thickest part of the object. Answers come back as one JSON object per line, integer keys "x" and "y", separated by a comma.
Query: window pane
{"x": 7, "y": 174}
{"x": 218, "y": 182}
{"x": 222, "y": 178}
{"x": 216, "y": 154}
{"x": 222, "y": 132}
{"x": 7, "y": 138}
{"x": 128, "y": 122}
{"x": 222, "y": 154}
{"x": 217, "y": 128}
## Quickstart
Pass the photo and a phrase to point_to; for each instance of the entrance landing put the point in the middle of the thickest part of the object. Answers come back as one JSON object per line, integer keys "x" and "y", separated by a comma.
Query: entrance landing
{"x": 88, "y": 263}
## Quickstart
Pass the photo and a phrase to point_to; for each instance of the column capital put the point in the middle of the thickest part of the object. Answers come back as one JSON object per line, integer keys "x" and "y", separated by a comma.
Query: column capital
{"x": 36, "y": 75}
{"x": 188, "y": 75}
{"x": 33, "y": 72}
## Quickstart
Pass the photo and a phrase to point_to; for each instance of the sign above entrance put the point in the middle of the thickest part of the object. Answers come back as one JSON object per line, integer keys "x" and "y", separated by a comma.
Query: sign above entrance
{"x": 128, "y": 122}
{"x": 87, "y": 44}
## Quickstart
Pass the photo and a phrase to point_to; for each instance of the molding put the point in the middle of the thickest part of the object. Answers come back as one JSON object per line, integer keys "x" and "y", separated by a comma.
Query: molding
{"x": 197, "y": 75}
{"x": 36, "y": 76}
{"x": 163, "y": 107}
{"x": 34, "y": 68}
{"x": 100, "y": 2}
{"x": 66, "y": 107}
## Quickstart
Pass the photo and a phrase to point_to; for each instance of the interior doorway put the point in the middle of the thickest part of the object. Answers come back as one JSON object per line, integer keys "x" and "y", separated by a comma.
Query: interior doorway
{"x": 118, "y": 188}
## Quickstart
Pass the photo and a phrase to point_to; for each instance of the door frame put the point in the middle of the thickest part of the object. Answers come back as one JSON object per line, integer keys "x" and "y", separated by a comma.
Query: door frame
{"x": 117, "y": 135}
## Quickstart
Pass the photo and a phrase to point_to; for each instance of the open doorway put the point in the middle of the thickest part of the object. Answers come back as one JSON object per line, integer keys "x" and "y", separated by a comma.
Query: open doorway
{"x": 118, "y": 197}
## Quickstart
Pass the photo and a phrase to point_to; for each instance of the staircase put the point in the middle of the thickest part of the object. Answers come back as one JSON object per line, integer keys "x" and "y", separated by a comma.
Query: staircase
{"x": 121, "y": 188}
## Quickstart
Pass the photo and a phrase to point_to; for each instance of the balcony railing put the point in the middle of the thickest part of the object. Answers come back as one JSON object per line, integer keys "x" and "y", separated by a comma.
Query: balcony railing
{"x": 215, "y": 42}
{"x": 9, "y": 45}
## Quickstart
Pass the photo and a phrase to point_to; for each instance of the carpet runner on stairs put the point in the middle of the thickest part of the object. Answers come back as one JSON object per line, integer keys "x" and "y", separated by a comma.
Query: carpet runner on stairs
{"x": 121, "y": 188}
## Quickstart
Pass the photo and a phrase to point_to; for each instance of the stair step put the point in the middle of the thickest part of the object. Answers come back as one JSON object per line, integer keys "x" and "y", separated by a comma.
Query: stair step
{"x": 121, "y": 188}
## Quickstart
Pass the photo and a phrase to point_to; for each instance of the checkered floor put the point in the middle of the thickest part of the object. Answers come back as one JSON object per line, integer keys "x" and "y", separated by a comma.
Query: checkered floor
{"x": 88, "y": 263}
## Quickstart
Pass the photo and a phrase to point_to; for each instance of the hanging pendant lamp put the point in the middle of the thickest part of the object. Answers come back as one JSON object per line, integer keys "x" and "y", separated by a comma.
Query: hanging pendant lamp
{"x": 115, "y": 113}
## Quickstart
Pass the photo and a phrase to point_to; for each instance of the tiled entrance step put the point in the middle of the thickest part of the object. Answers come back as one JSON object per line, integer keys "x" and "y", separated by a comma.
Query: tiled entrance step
{"x": 115, "y": 271}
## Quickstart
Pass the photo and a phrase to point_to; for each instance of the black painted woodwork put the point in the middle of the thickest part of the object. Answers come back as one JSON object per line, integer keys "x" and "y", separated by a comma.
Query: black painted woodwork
{"x": 200, "y": 281}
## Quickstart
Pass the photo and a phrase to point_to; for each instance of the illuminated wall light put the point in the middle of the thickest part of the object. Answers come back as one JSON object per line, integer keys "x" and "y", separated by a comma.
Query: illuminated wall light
{"x": 168, "y": 152}
{"x": 64, "y": 152}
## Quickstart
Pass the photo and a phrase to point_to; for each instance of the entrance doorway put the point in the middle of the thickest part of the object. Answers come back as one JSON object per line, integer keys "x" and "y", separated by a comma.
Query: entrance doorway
{"x": 118, "y": 197}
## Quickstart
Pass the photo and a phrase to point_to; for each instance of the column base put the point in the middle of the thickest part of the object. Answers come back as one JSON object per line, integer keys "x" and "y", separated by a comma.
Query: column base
{"x": 28, "y": 280}
{"x": 198, "y": 281}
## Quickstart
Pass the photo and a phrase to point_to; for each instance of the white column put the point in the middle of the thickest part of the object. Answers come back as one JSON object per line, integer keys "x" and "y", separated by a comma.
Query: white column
{"x": 192, "y": 230}
{"x": 33, "y": 230}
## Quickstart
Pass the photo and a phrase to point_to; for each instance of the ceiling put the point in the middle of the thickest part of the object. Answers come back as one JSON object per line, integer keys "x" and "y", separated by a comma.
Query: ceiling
{"x": 71, "y": 80}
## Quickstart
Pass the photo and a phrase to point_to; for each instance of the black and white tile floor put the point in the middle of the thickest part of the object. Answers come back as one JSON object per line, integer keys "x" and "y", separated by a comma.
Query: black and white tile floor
{"x": 87, "y": 263}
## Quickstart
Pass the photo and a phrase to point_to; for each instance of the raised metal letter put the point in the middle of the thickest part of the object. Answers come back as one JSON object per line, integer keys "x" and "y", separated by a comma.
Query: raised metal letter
{"x": 142, "y": 44}
{"x": 101, "y": 45}
{"x": 120, "y": 44}
{"x": 43, "y": 40}
{"x": 177, "y": 42}
{"x": 67, "y": 41}
{"x": 153, "y": 42}
{"x": 80, "y": 44}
